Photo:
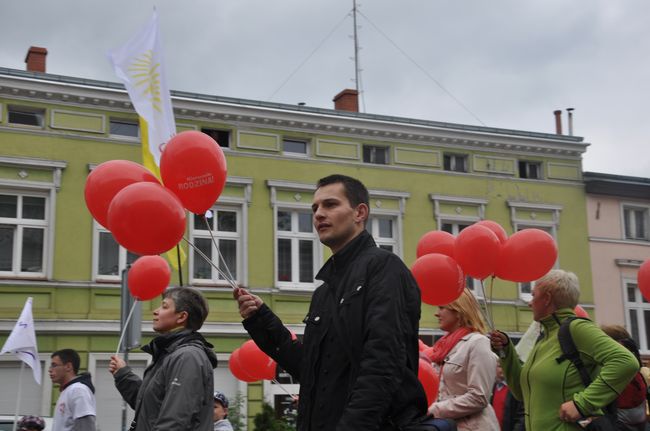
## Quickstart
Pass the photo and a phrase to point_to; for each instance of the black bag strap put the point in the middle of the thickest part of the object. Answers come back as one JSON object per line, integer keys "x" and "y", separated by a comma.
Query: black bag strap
{"x": 570, "y": 351}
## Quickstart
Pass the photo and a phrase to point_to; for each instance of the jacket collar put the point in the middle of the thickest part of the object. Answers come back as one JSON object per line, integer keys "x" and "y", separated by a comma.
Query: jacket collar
{"x": 83, "y": 378}
{"x": 553, "y": 320}
{"x": 340, "y": 260}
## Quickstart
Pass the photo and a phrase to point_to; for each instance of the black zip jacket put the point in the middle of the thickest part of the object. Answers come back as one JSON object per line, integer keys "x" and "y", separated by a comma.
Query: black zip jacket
{"x": 358, "y": 362}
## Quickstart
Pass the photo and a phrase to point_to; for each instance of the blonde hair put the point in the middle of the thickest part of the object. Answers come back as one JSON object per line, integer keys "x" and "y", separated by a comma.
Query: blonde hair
{"x": 563, "y": 286}
{"x": 469, "y": 312}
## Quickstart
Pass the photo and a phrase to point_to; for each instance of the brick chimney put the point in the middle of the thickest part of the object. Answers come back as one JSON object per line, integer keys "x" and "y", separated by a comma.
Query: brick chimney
{"x": 558, "y": 122}
{"x": 347, "y": 100}
{"x": 36, "y": 59}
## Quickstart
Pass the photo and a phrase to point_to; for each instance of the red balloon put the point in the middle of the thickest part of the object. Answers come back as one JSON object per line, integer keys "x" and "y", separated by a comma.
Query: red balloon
{"x": 429, "y": 380}
{"x": 255, "y": 362}
{"x": 527, "y": 255}
{"x": 148, "y": 277}
{"x": 580, "y": 312}
{"x": 436, "y": 241}
{"x": 643, "y": 279}
{"x": 146, "y": 218}
{"x": 496, "y": 228}
{"x": 477, "y": 251}
{"x": 193, "y": 166}
{"x": 439, "y": 277}
{"x": 106, "y": 180}
{"x": 237, "y": 370}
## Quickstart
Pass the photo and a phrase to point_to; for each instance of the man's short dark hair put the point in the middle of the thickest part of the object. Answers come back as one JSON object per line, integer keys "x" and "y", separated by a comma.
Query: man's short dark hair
{"x": 355, "y": 191}
{"x": 191, "y": 301}
{"x": 68, "y": 356}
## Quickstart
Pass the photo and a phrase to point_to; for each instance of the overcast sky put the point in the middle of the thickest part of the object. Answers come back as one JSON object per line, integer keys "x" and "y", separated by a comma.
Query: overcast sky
{"x": 510, "y": 63}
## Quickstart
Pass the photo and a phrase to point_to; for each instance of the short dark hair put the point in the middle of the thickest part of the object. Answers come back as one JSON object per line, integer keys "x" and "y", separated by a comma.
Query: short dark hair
{"x": 68, "y": 356}
{"x": 355, "y": 191}
{"x": 191, "y": 301}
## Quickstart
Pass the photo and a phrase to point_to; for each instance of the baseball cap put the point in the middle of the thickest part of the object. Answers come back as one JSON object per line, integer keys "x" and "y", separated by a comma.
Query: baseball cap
{"x": 30, "y": 422}
{"x": 221, "y": 397}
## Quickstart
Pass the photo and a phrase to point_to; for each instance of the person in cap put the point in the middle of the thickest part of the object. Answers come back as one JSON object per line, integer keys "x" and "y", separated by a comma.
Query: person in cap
{"x": 220, "y": 416}
{"x": 30, "y": 423}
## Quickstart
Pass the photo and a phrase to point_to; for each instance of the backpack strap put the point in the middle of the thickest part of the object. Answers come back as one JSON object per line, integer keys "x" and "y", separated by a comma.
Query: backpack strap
{"x": 570, "y": 351}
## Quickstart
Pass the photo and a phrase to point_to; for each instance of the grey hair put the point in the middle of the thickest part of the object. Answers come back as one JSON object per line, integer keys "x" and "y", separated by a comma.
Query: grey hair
{"x": 563, "y": 286}
{"x": 191, "y": 301}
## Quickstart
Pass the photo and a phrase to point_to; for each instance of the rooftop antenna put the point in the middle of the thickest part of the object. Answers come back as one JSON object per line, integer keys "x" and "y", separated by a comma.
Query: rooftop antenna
{"x": 356, "y": 46}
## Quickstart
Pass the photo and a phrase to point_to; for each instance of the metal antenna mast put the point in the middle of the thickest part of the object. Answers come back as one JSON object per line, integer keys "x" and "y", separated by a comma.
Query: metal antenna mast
{"x": 356, "y": 46}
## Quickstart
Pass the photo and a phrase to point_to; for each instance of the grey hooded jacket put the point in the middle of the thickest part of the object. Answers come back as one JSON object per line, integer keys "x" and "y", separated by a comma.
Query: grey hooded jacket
{"x": 176, "y": 390}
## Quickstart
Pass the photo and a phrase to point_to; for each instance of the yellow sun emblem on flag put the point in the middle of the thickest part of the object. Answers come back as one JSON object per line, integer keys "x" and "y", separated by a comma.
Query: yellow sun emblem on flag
{"x": 146, "y": 73}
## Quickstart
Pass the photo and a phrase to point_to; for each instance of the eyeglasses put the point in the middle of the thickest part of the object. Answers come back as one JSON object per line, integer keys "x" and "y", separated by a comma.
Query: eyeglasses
{"x": 55, "y": 365}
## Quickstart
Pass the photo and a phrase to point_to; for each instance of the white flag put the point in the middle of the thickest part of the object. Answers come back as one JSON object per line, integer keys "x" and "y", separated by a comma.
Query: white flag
{"x": 139, "y": 64}
{"x": 22, "y": 341}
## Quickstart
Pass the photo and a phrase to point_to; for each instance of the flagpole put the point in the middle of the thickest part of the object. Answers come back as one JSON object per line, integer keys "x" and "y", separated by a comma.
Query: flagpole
{"x": 20, "y": 388}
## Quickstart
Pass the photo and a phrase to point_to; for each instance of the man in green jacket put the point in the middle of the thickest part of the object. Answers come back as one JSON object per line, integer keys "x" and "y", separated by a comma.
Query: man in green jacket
{"x": 553, "y": 393}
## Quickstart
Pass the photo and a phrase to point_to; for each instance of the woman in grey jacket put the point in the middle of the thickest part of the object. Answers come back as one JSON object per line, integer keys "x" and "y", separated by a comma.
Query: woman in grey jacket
{"x": 176, "y": 392}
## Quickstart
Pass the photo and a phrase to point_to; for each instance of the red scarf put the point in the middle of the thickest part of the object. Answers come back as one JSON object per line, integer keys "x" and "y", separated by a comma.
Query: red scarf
{"x": 439, "y": 351}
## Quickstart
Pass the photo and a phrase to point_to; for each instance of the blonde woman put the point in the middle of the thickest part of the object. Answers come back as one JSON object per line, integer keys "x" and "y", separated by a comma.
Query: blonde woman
{"x": 466, "y": 366}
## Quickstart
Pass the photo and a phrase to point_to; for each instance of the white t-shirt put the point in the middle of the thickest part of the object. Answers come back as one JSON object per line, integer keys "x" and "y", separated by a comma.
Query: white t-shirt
{"x": 76, "y": 401}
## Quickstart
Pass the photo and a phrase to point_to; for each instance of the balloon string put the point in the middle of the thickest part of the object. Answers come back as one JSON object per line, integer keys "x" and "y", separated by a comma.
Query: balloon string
{"x": 293, "y": 396}
{"x": 214, "y": 241}
{"x": 207, "y": 259}
{"x": 126, "y": 325}
{"x": 486, "y": 313}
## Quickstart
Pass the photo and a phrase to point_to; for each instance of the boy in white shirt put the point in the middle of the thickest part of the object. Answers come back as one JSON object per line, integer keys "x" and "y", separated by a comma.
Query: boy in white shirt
{"x": 75, "y": 410}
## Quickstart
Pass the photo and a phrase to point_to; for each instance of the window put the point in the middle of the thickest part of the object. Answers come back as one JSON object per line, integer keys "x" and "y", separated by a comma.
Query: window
{"x": 384, "y": 231}
{"x": 111, "y": 258}
{"x": 26, "y": 116}
{"x": 296, "y": 248}
{"x": 124, "y": 128}
{"x": 295, "y": 147}
{"x": 455, "y": 162}
{"x": 34, "y": 398}
{"x": 23, "y": 234}
{"x": 375, "y": 154}
{"x": 109, "y": 415}
{"x": 636, "y": 222}
{"x": 637, "y": 315}
{"x": 526, "y": 288}
{"x": 221, "y": 136}
{"x": 226, "y": 227}
{"x": 530, "y": 170}
{"x": 472, "y": 284}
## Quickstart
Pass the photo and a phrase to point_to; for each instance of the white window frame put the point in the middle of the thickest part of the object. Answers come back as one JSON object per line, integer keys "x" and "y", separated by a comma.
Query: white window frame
{"x": 372, "y": 226}
{"x": 453, "y": 161}
{"x": 550, "y": 226}
{"x": 295, "y": 236}
{"x": 21, "y": 224}
{"x": 125, "y": 121}
{"x": 235, "y": 236}
{"x": 122, "y": 258}
{"x": 46, "y": 382}
{"x": 45, "y": 188}
{"x": 540, "y": 173}
{"x": 241, "y": 205}
{"x": 292, "y": 153}
{"x": 300, "y": 204}
{"x": 458, "y": 218}
{"x": 374, "y": 149}
{"x": 38, "y": 112}
{"x": 646, "y": 219}
{"x": 638, "y": 307}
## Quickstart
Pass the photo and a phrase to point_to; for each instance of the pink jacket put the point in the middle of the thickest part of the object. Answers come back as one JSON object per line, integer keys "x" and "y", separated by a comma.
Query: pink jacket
{"x": 468, "y": 376}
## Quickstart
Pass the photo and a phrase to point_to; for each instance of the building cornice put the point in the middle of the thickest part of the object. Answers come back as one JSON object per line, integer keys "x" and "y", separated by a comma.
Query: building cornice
{"x": 93, "y": 94}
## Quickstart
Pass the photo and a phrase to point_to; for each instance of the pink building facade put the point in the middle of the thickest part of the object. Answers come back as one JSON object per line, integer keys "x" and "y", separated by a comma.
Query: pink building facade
{"x": 618, "y": 214}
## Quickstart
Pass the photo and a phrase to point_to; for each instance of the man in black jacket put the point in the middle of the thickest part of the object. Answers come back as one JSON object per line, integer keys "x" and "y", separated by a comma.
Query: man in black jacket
{"x": 358, "y": 362}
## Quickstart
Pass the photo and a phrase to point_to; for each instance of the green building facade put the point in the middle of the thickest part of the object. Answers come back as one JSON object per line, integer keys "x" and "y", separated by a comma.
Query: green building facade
{"x": 422, "y": 176}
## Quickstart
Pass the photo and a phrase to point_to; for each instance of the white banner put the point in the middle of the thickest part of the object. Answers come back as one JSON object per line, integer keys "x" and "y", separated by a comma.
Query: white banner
{"x": 22, "y": 341}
